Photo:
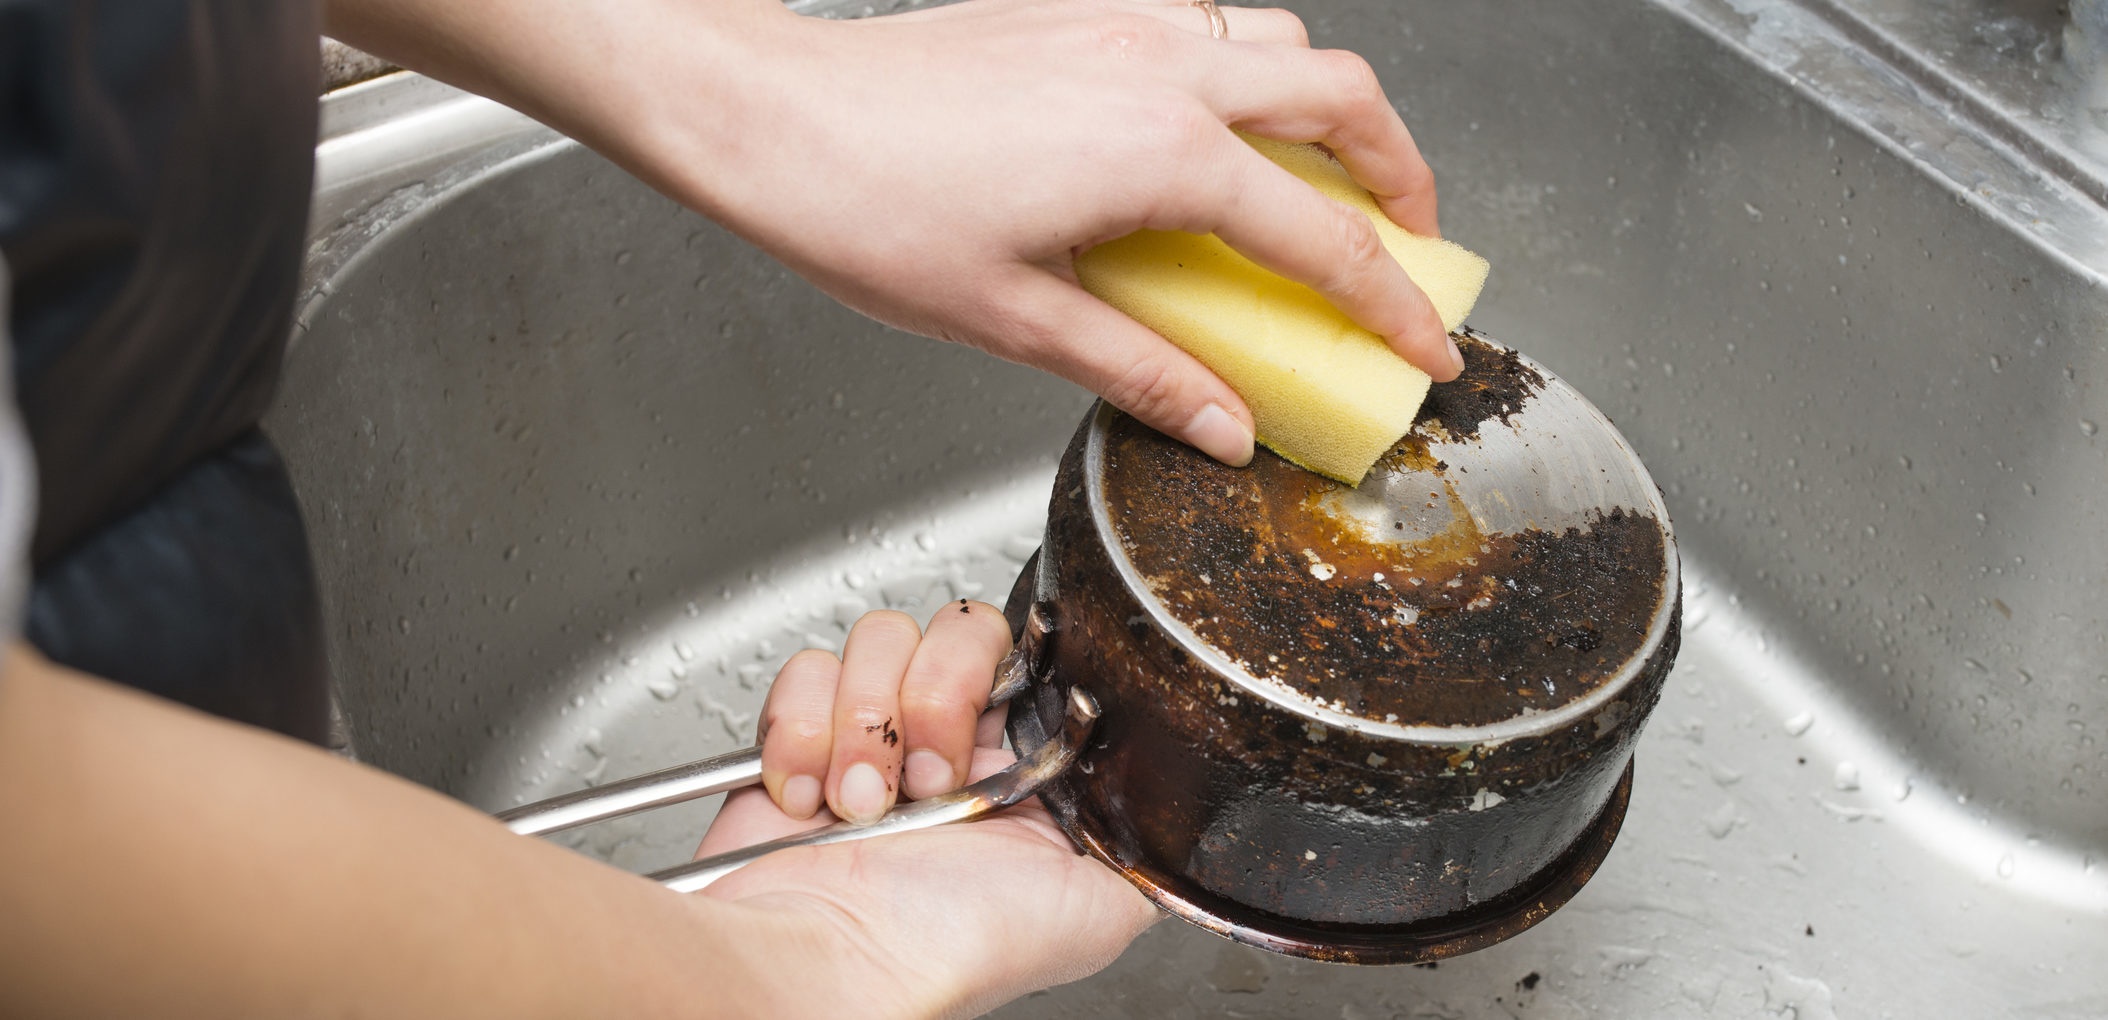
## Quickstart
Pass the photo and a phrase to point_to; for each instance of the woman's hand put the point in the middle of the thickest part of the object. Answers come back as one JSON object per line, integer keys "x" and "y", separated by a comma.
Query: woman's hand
{"x": 898, "y": 712}
{"x": 937, "y": 170}
{"x": 954, "y": 919}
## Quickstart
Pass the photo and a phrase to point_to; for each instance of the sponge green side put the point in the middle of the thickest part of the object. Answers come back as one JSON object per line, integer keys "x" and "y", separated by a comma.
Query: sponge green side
{"x": 1325, "y": 393}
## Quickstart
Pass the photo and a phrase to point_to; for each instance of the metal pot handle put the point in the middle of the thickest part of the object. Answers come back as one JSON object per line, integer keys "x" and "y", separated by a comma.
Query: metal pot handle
{"x": 742, "y": 768}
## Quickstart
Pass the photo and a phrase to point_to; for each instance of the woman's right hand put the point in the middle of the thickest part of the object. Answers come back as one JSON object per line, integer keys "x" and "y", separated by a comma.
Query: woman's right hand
{"x": 939, "y": 169}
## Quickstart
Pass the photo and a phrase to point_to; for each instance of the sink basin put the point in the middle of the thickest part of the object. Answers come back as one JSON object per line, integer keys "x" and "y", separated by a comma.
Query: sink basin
{"x": 581, "y": 470}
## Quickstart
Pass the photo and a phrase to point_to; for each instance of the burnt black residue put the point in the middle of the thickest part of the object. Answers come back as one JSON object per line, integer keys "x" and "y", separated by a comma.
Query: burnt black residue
{"x": 1458, "y": 629}
{"x": 891, "y": 736}
{"x": 1494, "y": 385}
{"x": 1529, "y": 981}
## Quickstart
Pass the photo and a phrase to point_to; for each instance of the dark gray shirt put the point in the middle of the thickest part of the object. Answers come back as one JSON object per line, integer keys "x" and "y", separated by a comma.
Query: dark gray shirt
{"x": 18, "y": 492}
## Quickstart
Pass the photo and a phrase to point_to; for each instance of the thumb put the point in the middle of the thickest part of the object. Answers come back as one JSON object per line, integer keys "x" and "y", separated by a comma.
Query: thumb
{"x": 1073, "y": 335}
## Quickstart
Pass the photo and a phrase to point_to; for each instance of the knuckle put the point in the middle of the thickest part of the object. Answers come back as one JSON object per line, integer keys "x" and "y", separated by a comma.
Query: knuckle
{"x": 1168, "y": 129}
{"x": 1354, "y": 79}
{"x": 782, "y": 729}
{"x": 1417, "y": 177}
{"x": 864, "y": 713}
{"x": 1131, "y": 37}
{"x": 1171, "y": 142}
{"x": 1280, "y": 25}
{"x": 874, "y": 721}
{"x": 934, "y": 706}
{"x": 867, "y": 723}
{"x": 1362, "y": 253}
{"x": 1292, "y": 27}
{"x": 1146, "y": 388}
{"x": 808, "y": 661}
{"x": 1192, "y": 129}
{"x": 889, "y": 625}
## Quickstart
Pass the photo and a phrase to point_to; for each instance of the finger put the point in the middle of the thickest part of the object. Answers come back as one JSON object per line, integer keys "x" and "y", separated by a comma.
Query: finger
{"x": 797, "y": 731}
{"x": 1333, "y": 97}
{"x": 1269, "y": 25}
{"x": 944, "y": 692}
{"x": 749, "y": 817}
{"x": 1086, "y": 341}
{"x": 988, "y": 732}
{"x": 864, "y": 778}
{"x": 1277, "y": 220}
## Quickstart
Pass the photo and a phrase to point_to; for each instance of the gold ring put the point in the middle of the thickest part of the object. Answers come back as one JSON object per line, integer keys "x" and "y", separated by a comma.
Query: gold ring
{"x": 1217, "y": 26}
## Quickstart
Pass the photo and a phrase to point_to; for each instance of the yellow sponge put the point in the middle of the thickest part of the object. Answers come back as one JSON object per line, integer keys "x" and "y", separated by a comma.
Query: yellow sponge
{"x": 1326, "y": 394}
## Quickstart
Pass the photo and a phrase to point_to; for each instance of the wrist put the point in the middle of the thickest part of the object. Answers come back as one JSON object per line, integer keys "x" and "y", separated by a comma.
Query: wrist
{"x": 667, "y": 92}
{"x": 693, "y": 127}
{"x": 842, "y": 969}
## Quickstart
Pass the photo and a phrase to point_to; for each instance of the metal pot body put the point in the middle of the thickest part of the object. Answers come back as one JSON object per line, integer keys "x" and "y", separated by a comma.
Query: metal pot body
{"x": 1302, "y": 832}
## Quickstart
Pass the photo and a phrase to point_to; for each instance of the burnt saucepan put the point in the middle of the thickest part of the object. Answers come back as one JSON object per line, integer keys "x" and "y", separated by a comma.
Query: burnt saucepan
{"x": 1386, "y": 723}
{"x": 1383, "y": 723}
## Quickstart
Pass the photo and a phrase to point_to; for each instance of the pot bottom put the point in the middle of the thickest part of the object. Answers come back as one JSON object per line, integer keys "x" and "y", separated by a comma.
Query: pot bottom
{"x": 1437, "y": 938}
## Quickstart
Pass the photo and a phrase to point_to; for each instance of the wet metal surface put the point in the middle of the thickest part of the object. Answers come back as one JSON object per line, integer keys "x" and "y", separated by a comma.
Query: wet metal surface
{"x": 581, "y": 470}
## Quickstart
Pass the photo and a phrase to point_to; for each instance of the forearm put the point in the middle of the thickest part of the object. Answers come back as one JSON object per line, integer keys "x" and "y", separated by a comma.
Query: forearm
{"x": 154, "y": 861}
{"x": 589, "y": 70}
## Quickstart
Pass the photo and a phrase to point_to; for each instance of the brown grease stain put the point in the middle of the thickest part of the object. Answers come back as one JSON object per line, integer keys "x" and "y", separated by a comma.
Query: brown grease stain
{"x": 1456, "y": 628}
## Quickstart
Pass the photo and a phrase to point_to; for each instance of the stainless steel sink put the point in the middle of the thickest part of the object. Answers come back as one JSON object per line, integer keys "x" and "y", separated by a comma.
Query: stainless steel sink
{"x": 582, "y": 470}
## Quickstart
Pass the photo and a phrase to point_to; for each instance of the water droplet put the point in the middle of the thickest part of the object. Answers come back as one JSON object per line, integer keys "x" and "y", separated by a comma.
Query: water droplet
{"x": 1798, "y": 724}
{"x": 2005, "y": 866}
{"x": 1846, "y": 777}
{"x": 1721, "y": 821}
{"x": 2087, "y": 426}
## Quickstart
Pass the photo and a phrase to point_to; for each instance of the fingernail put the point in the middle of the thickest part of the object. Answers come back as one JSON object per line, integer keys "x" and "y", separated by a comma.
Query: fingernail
{"x": 863, "y": 794}
{"x": 928, "y": 774}
{"x": 1456, "y": 357}
{"x": 1220, "y": 435}
{"x": 801, "y": 796}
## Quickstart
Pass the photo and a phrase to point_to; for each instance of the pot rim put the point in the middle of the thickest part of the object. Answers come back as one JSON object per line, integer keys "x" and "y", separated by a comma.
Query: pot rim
{"x": 1492, "y": 734}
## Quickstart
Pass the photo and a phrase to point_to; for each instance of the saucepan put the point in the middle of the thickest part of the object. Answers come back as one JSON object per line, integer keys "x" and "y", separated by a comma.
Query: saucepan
{"x": 1383, "y": 723}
